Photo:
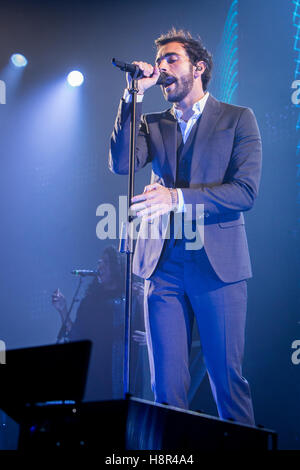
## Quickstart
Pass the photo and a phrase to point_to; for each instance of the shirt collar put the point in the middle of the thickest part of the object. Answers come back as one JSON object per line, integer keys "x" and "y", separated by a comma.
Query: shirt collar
{"x": 198, "y": 107}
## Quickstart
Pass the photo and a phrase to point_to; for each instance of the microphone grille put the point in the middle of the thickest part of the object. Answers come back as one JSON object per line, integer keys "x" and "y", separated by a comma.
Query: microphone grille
{"x": 162, "y": 78}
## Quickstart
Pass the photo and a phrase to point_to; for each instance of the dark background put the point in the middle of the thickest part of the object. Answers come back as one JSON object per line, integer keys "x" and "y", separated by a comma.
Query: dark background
{"x": 53, "y": 157}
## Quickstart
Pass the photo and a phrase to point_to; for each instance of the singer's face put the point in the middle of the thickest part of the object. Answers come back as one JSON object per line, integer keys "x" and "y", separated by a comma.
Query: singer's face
{"x": 174, "y": 61}
{"x": 103, "y": 268}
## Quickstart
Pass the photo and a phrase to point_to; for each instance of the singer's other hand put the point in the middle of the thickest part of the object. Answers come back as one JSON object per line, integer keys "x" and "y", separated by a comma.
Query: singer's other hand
{"x": 156, "y": 200}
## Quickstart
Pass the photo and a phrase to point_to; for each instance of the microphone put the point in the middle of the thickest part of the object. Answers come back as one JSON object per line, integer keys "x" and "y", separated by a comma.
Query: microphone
{"x": 84, "y": 272}
{"x": 134, "y": 69}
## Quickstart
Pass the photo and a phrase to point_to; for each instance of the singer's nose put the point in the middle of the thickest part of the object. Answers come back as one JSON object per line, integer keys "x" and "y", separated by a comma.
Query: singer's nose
{"x": 163, "y": 65}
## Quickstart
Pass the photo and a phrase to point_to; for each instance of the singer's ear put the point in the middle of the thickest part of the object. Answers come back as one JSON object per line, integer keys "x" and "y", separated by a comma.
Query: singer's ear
{"x": 199, "y": 69}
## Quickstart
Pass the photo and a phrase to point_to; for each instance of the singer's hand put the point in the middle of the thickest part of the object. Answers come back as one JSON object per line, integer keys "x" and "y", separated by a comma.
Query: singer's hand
{"x": 156, "y": 200}
{"x": 139, "y": 337}
{"x": 59, "y": 303}
{"x": 145, "y": 83}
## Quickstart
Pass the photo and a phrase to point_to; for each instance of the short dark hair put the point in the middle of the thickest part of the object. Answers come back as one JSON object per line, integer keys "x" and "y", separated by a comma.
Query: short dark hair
{"x": 193, "y": 47}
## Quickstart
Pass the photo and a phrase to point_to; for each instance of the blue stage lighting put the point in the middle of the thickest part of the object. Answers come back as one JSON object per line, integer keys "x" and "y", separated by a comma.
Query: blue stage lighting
{"x": 19, "y": 60}
{"x": 75, "y": 78}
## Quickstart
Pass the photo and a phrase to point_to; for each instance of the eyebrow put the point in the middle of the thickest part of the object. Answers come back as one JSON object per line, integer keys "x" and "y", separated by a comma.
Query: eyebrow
{"x": 158, "y": 59}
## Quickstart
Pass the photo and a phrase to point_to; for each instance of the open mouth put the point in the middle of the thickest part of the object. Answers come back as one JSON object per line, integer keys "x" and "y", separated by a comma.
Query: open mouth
{"x": 169, "y": 81}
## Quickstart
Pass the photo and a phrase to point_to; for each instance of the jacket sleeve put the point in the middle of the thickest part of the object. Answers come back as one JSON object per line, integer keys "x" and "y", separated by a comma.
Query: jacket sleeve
{"x": 119, "y": 144}
{"x": 240, "y": 185}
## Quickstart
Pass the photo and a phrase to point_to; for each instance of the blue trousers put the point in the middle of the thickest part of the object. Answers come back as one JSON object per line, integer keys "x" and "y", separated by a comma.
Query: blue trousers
{"x": 183, "y": 287}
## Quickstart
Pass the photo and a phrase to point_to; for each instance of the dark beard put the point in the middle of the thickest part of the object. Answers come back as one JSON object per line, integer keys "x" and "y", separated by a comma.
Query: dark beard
{"x": 183, "y": 87}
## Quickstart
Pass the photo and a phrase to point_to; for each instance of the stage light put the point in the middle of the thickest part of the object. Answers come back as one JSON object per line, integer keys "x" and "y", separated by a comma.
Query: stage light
{"x": 19, "y": 60}
{"x": 75, "y": 78}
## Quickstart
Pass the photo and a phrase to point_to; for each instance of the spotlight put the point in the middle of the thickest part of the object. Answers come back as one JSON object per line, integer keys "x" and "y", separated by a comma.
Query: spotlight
{"x": 75, "y": 78}
{"x": 19, "y": 60}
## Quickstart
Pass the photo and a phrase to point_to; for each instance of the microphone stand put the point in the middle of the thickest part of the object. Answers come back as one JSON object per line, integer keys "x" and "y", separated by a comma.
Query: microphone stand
{"x": 129, "y": 238}
{"x": 62, "y": 334}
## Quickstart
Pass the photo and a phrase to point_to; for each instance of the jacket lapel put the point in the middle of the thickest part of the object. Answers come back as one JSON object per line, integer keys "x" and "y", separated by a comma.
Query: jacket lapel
{"x": 209, "y": 118}
{"x": 168, "y": 129}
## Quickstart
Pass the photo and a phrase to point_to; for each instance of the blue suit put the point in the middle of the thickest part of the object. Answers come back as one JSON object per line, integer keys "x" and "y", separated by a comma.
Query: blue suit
{"x": 210, "y": 283}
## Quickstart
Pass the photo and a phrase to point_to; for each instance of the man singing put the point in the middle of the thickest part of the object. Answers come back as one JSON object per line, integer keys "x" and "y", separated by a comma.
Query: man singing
{"x": 203, "y": 153}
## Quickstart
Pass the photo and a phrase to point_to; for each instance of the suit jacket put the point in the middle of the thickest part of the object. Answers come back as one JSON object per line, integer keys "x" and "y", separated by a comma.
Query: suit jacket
{"x": 224, "y": 176}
